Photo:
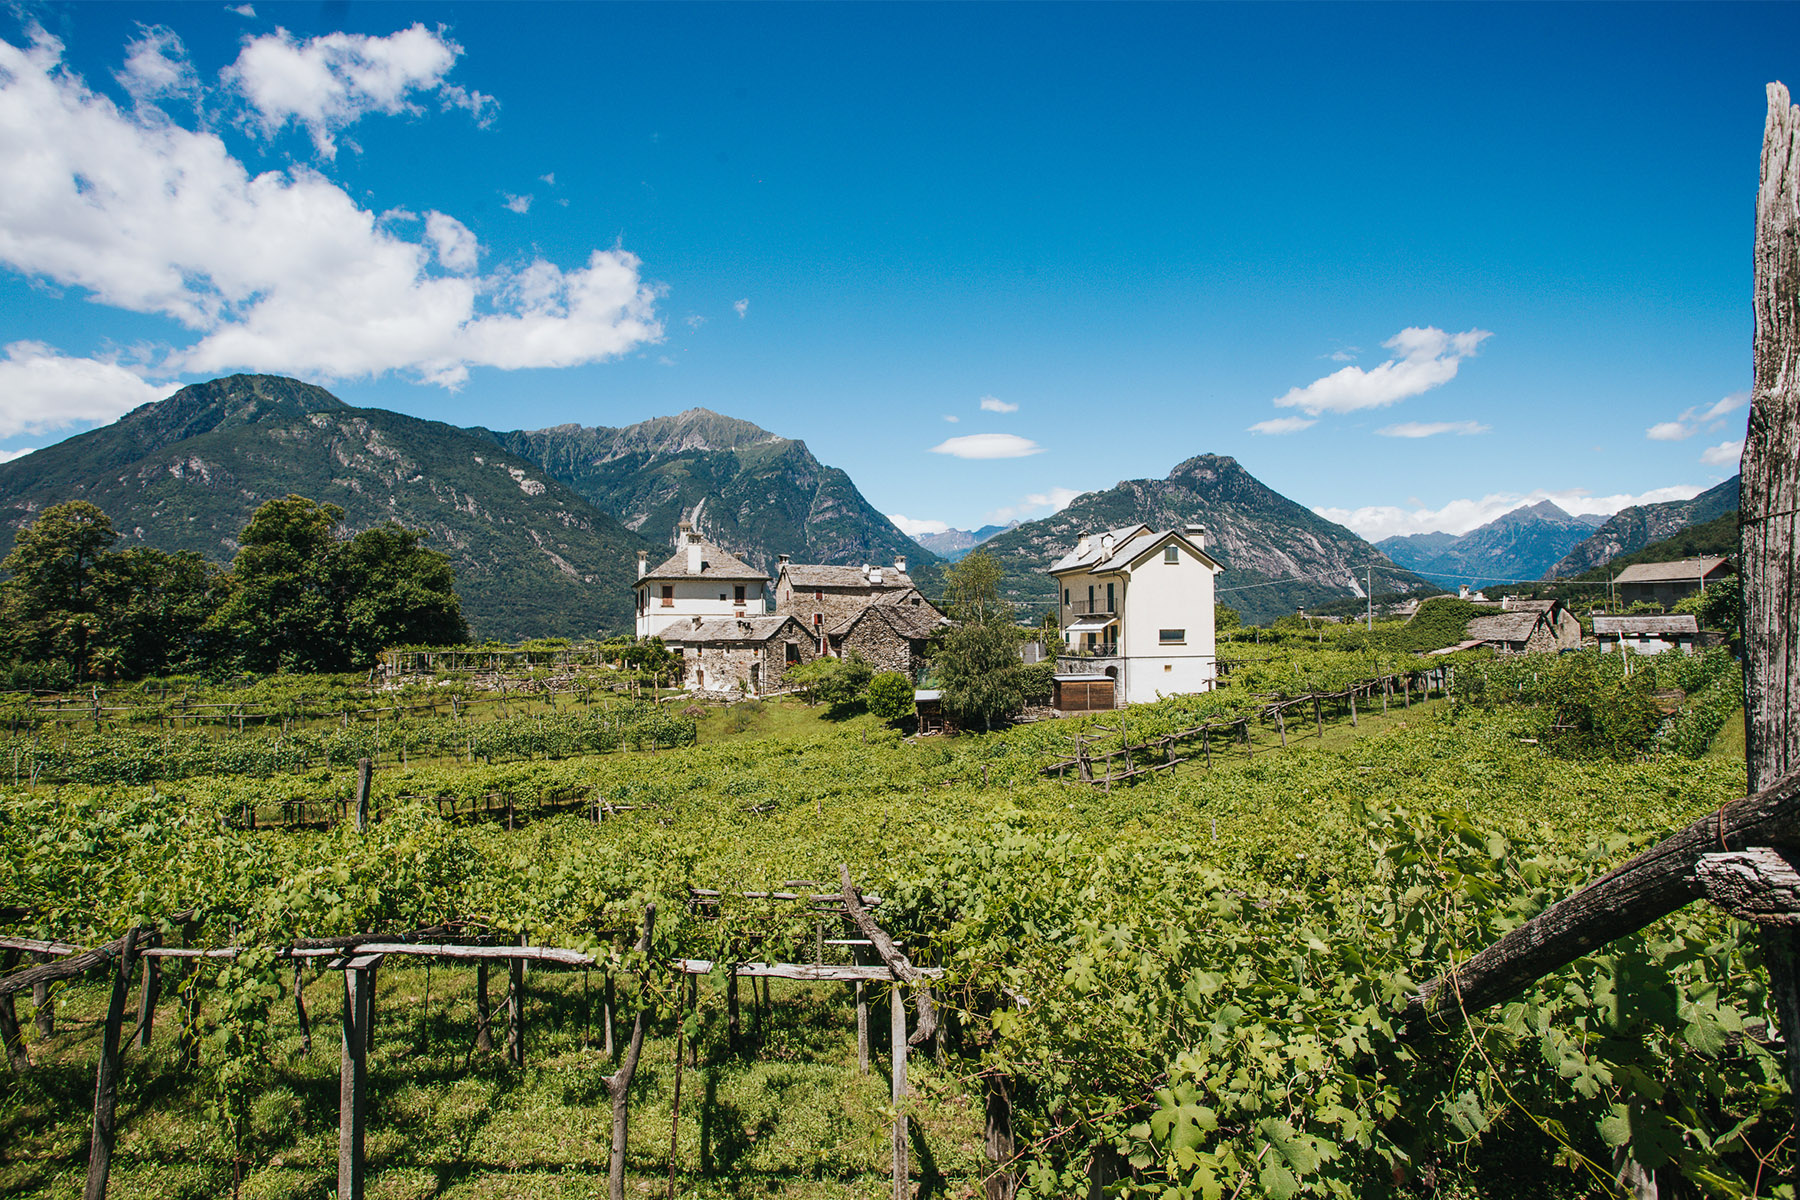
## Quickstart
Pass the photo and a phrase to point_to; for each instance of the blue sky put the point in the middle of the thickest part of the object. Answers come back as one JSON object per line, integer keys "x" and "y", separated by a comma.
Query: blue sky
{"x": 1412, "y": 265}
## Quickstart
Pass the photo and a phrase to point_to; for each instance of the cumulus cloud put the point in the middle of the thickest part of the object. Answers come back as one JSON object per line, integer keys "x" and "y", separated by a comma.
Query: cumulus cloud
{"x": 994, "y": 404}
{"x": 281, "y": 271}
{"x": 157, "y": 66}
{"x": 988, "y": 445}
{"x": 1700, "y": 417}
{"x": 549, "y": 178}
{"x": 326, "y": 83}
{"x": 242, "y": 10}
{"x": 1375, "y": 522}
{"x": 1724, "y": 454}
{"x": 740, "y": 307}
{"x": 7, "y": 456}
{"x": 1036, "y": 504}
{"x": 518, "y": 204}
{"x": 1425, "y": 429}
{"x": 43, "y": 391}
{"x": 1424, "y": 358}
{"x": 1280, "y": 425}
{"x": 915, "y": 528}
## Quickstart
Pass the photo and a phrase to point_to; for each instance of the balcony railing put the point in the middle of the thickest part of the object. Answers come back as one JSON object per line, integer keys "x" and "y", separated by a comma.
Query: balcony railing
{"x": 1085, "y": 608}
{"x": 1097, "y": 650}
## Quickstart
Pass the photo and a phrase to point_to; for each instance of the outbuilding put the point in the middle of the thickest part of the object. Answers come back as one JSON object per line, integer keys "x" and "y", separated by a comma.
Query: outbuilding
{"x": 1648, "y": 634}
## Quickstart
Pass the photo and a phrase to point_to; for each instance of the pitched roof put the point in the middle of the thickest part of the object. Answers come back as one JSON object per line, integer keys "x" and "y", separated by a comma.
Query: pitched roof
{"x": 1505, "y": 627}
{"x": 819, "y": 575}
{"x": 904, "y": 620}
{"x": 1079, "y": 557}
{"x": 1682, "y": 569}
{"x": 1130, "y": 542}
{"x": 1639, "y": 626}
{"x": 715, "y": 563}
{"x": 728, "y": 629}
{"x": 1514, "y": 604}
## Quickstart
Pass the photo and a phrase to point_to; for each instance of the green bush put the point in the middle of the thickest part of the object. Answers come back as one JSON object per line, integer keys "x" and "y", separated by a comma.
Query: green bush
{"x": 890, "y": 696}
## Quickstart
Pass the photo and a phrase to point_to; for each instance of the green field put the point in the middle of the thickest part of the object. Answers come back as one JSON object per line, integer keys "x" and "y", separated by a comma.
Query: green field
{"x": 1189, "y": 982}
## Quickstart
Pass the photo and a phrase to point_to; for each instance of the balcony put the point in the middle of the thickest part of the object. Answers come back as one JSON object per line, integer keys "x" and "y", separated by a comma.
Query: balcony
{"x": 1085, "y": 608}
{"x": 1097, "y": 650}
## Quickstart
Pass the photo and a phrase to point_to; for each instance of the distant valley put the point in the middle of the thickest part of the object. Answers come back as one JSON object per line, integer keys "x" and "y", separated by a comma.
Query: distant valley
{"x": 1520, "y": 545}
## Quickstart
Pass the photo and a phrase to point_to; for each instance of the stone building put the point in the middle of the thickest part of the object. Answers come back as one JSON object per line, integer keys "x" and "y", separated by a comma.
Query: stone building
{"x": 1649, "y": 634}
{"x": 890, "y": 634}
{"x": 1666, "y": 583}
{"x": 824, "y": 597}
{"x": 738, "y": 656}
{"x": 1528, "y": 627}
{"x": 700, "y": 580}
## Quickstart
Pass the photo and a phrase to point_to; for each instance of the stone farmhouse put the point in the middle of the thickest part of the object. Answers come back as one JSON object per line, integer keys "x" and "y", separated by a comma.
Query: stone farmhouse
{"x": 823, "y": 597}
{"x": 699, "y": 580}
{"x": 1648, "y": 634}
{"x": 1137, "y": 608}
{"x": 891, "y": 633}
{"x": 1528, "y": 627}
{"x": 738, "y": 656}
{"x": 1666, "y": 583}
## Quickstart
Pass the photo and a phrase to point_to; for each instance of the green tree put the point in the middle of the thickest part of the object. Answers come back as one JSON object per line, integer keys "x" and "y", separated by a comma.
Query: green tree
{"x": 890, "y": 696}
{"x": 972, "y": 589}
{"x": 838, "y": 682}
{"x": 397, "y": 593}
{"x": 161, "y": 604}
{"x": 56, "y": 599}
{"x": 1720, "y": 606}
{"x": 1225, "y": 619}
{"x": 979, "y": 669}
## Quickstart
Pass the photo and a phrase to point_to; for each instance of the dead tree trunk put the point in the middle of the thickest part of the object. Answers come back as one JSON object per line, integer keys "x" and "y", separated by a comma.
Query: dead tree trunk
{"x": 896, "y": 962}
{"x": 1767, "y": 520}
{"x": 618, "y": 1084}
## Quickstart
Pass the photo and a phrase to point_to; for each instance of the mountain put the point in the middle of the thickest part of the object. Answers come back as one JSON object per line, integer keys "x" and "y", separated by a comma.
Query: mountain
{"x": 952, "y": 544}
{"x": 1519, "y": 545}
{"x": 1717, "y": 536}
{"x": 532, "y": 558}
{"x": 1277, "y": 555}
{"x": 759, "y": 494}
{"x": 1632, "y": 529}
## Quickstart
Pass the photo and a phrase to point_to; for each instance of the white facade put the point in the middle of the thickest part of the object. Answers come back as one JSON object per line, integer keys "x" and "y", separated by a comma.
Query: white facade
{"x": 1137, "y": 605}
{"x": 700, "y": 580}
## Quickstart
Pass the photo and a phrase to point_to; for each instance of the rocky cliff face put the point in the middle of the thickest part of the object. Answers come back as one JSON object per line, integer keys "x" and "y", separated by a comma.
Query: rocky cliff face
{"x": 532, "y": 558}
{"x": 1519, "y": 545}
{"x": 759, "y": 495}
{"x": 1277, "y": 555}
{"x": 1631, "y": 529}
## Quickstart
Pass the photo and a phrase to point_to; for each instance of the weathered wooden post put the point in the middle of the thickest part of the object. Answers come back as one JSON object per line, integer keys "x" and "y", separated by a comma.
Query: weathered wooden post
{"x": 618, "y": 1084}
{"x": 43, "y": 1004}
{"x": 147, "y": 997}
{"x": 897, "y": 1032}
{"x": 106, "y": 1075}
{"x": 484, "y": 1017}
{"x": 353, "y": 1078}
{"x": 515, "y": 1012}
{"x": 9, "y": 1021}
{"x": 363, "y": 771}
{"x": 1000, "y": 1184}
{"x": 300, "y": 1007}
{"x": 1767, "y": 522}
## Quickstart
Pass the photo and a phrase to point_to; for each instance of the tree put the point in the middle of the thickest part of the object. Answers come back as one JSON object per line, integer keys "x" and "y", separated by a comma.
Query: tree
{"x": 55, "y": 601}
{"x": 890, "y": 696}
{"x": 972, "y": 589}
{"x": 1225, "y": 619}
{"x": 977, "y": 660}
{"x": 838, "y": 682}
{"x": 161, "y": 604}
{"x": 1720, "y": 606}
{"x": 397, "y": 593}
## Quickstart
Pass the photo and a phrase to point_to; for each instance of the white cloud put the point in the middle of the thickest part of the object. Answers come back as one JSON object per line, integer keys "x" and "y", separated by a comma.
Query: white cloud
{"x": 740, "y": 307}
{"x": 1375, "y": 522}
{"x": 156, "y": 65}
{"x": 1708, "y": 417}
{"x": 694, "y": 320}
{"x": 1425, "y": 429}
{"x": 242, "y": 10}
{"x": 1280, "y": 425}
{"x": 1035, "y": 504}
{"x": 1724, "y": 454}
{"x": 994, "y": 404}
{"x": 1345, "y": 354}
{"x": 7, "y": 456}
{"x": 549, "y": 178}
{"x": 518, "y": 204}
{"x": 457, "y": 248}
{"x": 988, "y": 445}
{"x": 282, "y": 271}
{"x": 42, "y": 391}
{"x": 1424, "y": 359}
{"x": 912, "y": 528}
{"x": 952, "y": 420}
{"x": 326, "y": 83}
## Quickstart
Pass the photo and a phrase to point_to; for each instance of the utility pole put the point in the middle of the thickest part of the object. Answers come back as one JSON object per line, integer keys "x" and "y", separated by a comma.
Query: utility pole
{"x": 1369, "y": 591}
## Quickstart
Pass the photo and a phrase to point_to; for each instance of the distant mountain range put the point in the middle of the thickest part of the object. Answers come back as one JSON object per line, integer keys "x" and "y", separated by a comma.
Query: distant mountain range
{"x": 1631, "y": 529}
{"x": 1278, "y": 555}
{"x": 1519, "y": 545}
{"x": 952, "y": 544}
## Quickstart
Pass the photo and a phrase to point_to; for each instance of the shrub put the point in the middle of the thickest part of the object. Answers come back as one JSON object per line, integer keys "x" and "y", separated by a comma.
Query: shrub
{"x": 890, "y": 696}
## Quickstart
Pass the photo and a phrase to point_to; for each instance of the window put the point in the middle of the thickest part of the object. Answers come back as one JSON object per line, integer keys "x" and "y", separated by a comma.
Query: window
{"x": 793, "y": 653}
{"x": 668, "y": 595}
{"x": 818, "y": 619}
{"x": 1090, "y": 597}
{"x": 1171, "y": 637}
{"x": 1109, "y": 599}
{"x": 739, "y": 590}
{"x": 818, "y": 594}
{"x": 722, "y": 596}
{"x": 1065, "y": 596}
{"x": 1171, "y": 554}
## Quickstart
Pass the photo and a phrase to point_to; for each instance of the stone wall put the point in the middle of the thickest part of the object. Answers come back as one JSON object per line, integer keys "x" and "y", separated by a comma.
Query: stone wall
{"x": 882, "y": 646}
{"x": 719, "y": 668}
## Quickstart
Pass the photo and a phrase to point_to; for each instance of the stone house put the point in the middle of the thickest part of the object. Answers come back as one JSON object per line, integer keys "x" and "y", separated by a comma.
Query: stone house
{"x": 700, "y": 580}
{"x": 891, "y": 633}
{"x": 1529, "y": 627}
{"x": 824, "y": 597}
{"x": 738, "y": 656}
{"x": 1649, "y": 634}
{"x": 1666, "y": 583}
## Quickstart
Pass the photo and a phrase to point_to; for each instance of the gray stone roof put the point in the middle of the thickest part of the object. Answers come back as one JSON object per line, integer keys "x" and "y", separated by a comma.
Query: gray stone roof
{"x": 729, "y": 629}
{"x": 904, "y": 620}
{"x": 1505, "y": 627}
{"x": 715, "y": 563}
{"x": 1646, "y": 625}
{"x": 1091, "y": 556}
{"x": 1680, "y": 570}
{"x": 1129, "y": 543}
{"x": 1514, "y": 604}
{"x": 819, "y": 575}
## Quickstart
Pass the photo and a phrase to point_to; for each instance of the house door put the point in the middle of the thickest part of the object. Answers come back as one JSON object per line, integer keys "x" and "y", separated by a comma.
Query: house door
{"x": 756, "y": 679}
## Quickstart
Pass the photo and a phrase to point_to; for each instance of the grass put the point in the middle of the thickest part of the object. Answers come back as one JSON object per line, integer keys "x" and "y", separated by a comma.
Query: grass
{"x": 1728, "y": 743}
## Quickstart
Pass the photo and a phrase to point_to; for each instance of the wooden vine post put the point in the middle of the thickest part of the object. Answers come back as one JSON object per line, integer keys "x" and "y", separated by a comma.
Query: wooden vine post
{"x": 364, "y": 769}
{"x": 618, "y": 1084}
{"x": 353, "y": 1076}
{"x": 897, "y": 1030}
{"x": 16, "y": 1058}
{"x": 1767, "y": 522}
{"x": 106, "y": 1075}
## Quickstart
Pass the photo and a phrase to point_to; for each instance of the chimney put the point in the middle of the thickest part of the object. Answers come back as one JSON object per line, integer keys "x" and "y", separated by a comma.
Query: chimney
{"x": 900, "y": 563}
{"x": 865, "y": 570}
{"x": 1196, "y": 534}
{"x": 1462, "y": 591}
{"x": 693, "y": 549}
{"x": 696, "y": 621}
{"x": 782, "y": 560}
{"x": 643, "y": 563}
{"x": 1106, "y": 545}
{"x": 1081, "y": 547}
{"x": 875, "y": 576}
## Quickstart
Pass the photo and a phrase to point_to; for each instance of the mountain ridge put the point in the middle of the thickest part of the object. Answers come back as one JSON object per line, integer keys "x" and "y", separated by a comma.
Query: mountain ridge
{"x": 1517, "y": 546}
{"x": 1632, "y": 529}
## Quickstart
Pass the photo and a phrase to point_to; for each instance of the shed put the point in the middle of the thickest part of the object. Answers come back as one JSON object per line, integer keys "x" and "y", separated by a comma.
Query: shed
{"x": 1648, "y": 635}
{"x": 1665, "y": 583}
{"x": 1082, "y": 693}
{"x": 928, "y": 705}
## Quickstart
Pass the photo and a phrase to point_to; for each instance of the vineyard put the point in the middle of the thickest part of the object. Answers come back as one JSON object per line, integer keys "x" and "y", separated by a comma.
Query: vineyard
{"x": 1185, "y": 985}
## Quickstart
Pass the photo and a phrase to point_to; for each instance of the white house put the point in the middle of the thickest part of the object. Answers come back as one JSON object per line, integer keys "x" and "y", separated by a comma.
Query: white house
{"x": 1136, "y": 606}
{"x": 699, "y": 580}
